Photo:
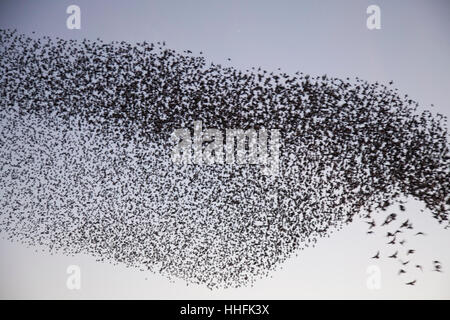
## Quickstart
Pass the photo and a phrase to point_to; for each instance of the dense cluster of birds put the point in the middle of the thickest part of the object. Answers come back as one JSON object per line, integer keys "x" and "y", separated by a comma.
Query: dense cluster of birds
{"x": 86, "y": 168}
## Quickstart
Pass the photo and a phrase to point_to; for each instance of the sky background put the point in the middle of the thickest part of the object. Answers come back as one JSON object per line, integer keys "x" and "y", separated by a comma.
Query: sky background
{"x": 316, "y": 37}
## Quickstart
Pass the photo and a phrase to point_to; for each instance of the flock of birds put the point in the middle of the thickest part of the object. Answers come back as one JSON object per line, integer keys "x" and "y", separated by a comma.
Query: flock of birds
{"x": 85, "y": 158}
{"x": 397, "y": 238}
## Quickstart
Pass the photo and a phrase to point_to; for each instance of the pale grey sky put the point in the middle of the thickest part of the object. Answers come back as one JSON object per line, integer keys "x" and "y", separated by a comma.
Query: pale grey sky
{"x": 317, "y": 37}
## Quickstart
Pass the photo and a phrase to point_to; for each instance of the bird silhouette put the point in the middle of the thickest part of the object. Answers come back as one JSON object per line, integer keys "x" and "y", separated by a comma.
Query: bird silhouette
{"x": 394, "y": 256}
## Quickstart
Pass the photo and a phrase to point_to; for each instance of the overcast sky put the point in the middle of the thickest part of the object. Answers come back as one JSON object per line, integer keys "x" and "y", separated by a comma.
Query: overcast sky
{"x": 317, "y": 37}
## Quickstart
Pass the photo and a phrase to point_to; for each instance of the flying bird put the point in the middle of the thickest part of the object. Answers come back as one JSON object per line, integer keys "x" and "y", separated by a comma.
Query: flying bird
{"x": 394, "y": 256}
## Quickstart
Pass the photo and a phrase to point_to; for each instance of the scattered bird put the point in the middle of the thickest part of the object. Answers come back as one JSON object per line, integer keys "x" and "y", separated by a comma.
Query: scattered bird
{"x": 405, "y": 224}
{"x": 394, "y": 256}
{"x": 404, "y": 263}
{"x": 437, "y": 266}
